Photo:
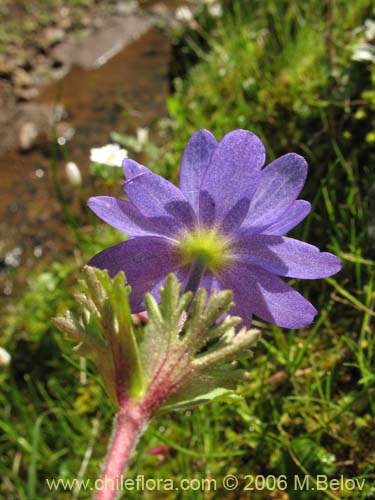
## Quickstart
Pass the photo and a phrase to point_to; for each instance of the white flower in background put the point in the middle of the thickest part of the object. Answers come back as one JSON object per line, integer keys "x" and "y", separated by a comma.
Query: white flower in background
{"x": 215, "y": 10}
{"x": 142, "y": 136}
{"x": 111, "y": 155}
{"x": 73, "y": 173}
{"x": 364, "y": 52}
{"x": 370, "y": 30}
{"x": 184, "y": 14}
{"x": 5, "y": 357}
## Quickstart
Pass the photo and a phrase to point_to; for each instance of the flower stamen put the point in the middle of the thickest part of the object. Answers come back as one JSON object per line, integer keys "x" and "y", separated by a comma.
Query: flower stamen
{"x": 204, "y": 245}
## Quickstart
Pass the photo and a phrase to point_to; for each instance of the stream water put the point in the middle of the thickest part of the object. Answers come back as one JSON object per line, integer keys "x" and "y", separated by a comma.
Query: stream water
{"x": 130, "y": 90}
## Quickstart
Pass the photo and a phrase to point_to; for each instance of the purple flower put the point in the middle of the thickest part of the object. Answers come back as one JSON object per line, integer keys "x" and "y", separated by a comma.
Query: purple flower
{"x": 229, "y": 212}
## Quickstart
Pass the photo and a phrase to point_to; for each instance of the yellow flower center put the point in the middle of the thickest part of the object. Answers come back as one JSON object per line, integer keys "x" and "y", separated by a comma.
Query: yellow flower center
{"x": 207, "y": 244}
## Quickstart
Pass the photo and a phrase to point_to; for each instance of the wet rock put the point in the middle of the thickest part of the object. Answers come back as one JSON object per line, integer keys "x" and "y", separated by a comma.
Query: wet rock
{"x": 25, "y": 125}
{"x": 125, "y": 8}
{"x": 65, "y": 23}
{"x": 42, "y": 73}
{"x": 40, "y": 59}
{"x": 40, "y": 115}
{"x": 95, "y": 49}
{"x": 26, "y": 93}
{"x": 13, "y": 58}
{"x": 64, "y": 13}
{"x": 94, "y": 104}
{"x": 27, "y": 67}
{"x": 51, "y": 37}
{"x": 87, "y": 21}
{"x": 5, "y": 67}
{"x": 162, "y": 16}
{"x": 7, "y": 100}
{"x": 22, "y": 78}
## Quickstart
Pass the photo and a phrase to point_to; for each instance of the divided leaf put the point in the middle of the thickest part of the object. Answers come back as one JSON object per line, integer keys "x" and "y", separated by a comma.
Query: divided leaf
{"x": 185, "y": 354}
{"x": 105, "y": 332}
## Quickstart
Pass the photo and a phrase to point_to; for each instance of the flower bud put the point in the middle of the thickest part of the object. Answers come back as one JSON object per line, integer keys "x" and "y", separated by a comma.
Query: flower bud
{"x": 73, "y": 174}
{"x": 142, "y": 136}
{"x": 5, "y": 357}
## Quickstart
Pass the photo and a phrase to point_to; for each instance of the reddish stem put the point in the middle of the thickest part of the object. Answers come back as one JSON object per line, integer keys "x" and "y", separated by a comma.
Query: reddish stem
{"x": 129, "y": 425}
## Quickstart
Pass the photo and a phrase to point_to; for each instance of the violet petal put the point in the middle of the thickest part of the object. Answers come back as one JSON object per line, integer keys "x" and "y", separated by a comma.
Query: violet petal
{"x": 195, "y": 160}
{"x": 210, "y": 283}
{"x": 267, "y": 296}
{"x": 161, "y": 202}
{"x": 231, "y": 179}
{"x": 287, "y": 257}
{"x": 279, "y": 185}
{"x": 181, "y": 274}
{"x": 132, "y": 168}
{"x": 123, "y": 216}
{"x": 295, "y": 214}
{"x": 145, "y": 261}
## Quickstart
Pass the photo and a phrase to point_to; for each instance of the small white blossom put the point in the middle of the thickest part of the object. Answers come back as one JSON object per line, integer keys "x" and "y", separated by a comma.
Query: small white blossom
{"x": 142, "y": 136}
{"x": 111, "y": 155}
{"x": 215, "y": 10}
{"x": 73, "y": 173}
{"x": 184, "y": 14}
{"x": 364, "y": 52}
{"x": 370, "y": 30}
{"x": 5, "y": 357}
{"x": 13, "y": 257}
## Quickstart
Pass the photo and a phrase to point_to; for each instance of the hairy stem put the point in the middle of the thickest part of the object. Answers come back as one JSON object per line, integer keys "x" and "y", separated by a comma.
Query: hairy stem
{"x": 196, "y": 273}
{"x": 130, "y": 423}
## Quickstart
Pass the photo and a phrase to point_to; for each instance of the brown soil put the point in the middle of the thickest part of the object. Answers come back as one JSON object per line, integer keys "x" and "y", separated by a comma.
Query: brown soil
{"x": 121, "y": 93}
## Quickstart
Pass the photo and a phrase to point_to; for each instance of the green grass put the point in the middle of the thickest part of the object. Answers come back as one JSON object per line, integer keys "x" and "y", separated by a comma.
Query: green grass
{"x": 283, "y": 70}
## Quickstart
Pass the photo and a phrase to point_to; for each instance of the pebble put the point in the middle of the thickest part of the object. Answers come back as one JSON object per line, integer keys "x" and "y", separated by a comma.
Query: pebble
{"x": 28, "y": 134}
{"x": 22, "y": 78}
{"x": 52, "y": 36}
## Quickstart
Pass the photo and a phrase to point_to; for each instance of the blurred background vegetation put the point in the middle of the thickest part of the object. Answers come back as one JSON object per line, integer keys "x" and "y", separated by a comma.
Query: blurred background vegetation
{"x": 300, "y": 75}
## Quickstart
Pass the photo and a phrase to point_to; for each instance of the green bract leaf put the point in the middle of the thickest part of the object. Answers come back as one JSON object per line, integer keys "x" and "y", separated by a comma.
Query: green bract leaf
{"x": 219, "y": 393}
{"x": 105, "y": 331}
{"x": 184, "y": 356}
